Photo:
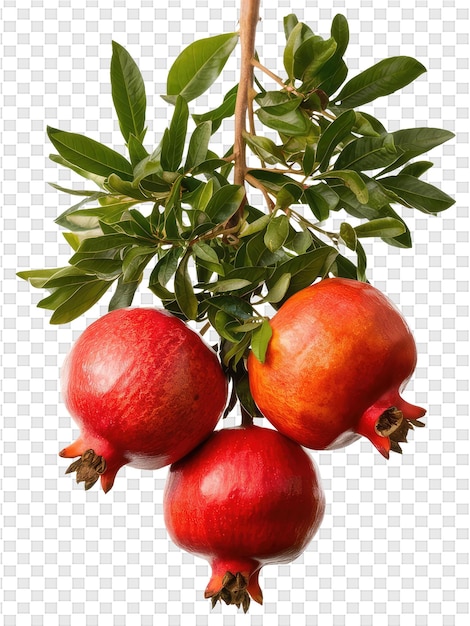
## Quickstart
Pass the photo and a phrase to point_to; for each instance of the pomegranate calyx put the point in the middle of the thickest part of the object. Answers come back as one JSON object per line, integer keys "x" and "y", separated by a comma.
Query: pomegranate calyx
{"x": 399, "y": 435}
{"x": 233, "y": 591}
{"x": 89, "y": 468}
{"x": 389, "y": 421}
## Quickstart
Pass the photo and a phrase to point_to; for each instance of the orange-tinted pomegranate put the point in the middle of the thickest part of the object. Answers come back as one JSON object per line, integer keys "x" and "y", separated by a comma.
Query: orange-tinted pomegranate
{"x": 339, "y": 357}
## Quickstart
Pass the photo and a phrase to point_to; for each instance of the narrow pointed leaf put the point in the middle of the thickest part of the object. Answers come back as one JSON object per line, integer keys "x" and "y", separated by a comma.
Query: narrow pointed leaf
{"x": 415, "y": 141}
{"x": 260, "y": 340}
{"x": 99, "y": 180}
{"x": 321, "y": 199}
{"x": 224, "y": 203}
{"x": 89, "y": 155}
{"x": 199, "y": 65}
{"x": 336, "y": 132}
{"x": 352, "y": 180}
{"x": 184, "y": 292}
{"x": 216, "y": 116}
{"x": 382, "y": 79}
{"x": 417, "y": 193}
{"x": 173, "y": 141}
{"x": 368, "y": 153}
{"x": 381, "y": 227}
{"x": 277, "y": 292}
{"x": 198, "y": 146}
{"x": 123, "y": 294}
{"x": 128, "y": 92}
{"x": 276, "y": 233}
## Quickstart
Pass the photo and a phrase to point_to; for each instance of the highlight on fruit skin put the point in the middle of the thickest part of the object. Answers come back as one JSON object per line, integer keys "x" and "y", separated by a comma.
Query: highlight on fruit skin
{"x": 338, "y": 360}
{"x": 247, "y": 497}
{"x": 144, "y": 389}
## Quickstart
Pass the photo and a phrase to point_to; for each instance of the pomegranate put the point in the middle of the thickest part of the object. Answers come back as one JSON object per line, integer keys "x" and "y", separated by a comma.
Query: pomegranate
{"x": 339, "y": 357}
{"x": 144, "y": 389}
{"x": 246, "y": 497}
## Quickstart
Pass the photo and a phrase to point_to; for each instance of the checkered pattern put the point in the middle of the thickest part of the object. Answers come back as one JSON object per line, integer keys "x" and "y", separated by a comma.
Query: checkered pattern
{"x": 394, "y": 545}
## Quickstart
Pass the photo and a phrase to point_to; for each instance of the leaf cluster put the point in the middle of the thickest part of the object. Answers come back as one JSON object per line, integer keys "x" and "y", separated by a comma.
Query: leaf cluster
{"x": 173, "y": 214}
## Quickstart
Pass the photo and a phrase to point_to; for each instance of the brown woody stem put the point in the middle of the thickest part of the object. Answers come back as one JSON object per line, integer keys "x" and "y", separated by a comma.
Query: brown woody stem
{"x": 249, "y": 18}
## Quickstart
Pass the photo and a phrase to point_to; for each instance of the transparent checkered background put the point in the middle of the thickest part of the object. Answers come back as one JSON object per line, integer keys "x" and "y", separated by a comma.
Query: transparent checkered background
{"x": 394, "y": 545}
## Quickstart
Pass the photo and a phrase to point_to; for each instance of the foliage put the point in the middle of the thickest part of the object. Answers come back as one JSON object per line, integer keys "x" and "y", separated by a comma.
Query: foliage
{"x": 174, "y": 211}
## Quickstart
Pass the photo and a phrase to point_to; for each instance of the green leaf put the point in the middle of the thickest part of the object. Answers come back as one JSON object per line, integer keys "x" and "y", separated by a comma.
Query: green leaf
{"x": 38, "y": 278}
{"x": 400, "y": 241}
{"x": 417, "y": 193}
{"x": 277, "y": 292}
{"x": 381, "y": 227}
{"x": 276, "y": 232}
{"x": 89, "y": 155}
{"x": 128, "y": 92}
{"x": 415, "y": 141}
{"x": 198, "y": 146}
{"x": 233, "y": 305}
{"x": 361, "y": 262}
{"x": 250, "y": 228}
{"x": 304, "y": 269}
{"x": 243, "y": 393}
{"x": 417, "y": 169}
{"x": 205, "y": 252}
{"x": 368, "y": 153}
{"x": 352, "y": 180}
{"x": 278, "y": 102}
{"x": 336, "y": 132}
{"x": 334, "y": 72}
{"x": 310, "y": 58}
{"x": 137, "y": 152}
{"x": 134, "y": 262}
{"x": 216, "y": 116}
{"x": 173, "y": 141}
{"x": 243, "y": 279}
{"x": 321, "y": 199}
{"x": 229, "y": 284}
{"x": 288, "y": 194}
{"x": 184, "y": 292}
{"x": 292, "y": 124}
{"x": 123, "y": 294}
{"x": 73, "y": 192}
{"x": 115, "y": 184}
{"x": 198, "y": 66}
{"x": 340, "y": 33}
{"x": 99, "y": 180}
{"x": 260, "y": 340}
{"x": 224, "y": 203}
{"x": 265, "y": 149}
{"x": 368, "y": 125}
{"x": 69, "y": 303}
{"x": 382, "y": 79}
{"x": 297, "y": 36}
{"x": 348, "y": 235}
{"x": 166, "y": 267}
{"x": 290, "y": 22}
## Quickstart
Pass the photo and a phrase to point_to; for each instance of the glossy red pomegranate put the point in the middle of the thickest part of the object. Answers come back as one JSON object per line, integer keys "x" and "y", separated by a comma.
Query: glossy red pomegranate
{"x": 246, "y": 497}
{"x": 339, "y": 357}
{"x": 144, "y": 389}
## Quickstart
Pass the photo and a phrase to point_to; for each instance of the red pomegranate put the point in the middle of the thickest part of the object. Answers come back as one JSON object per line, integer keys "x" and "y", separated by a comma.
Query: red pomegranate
{"x": 339, "y": 356}
{"x": 144, "y": 389}
{"x": 246, "y": 497}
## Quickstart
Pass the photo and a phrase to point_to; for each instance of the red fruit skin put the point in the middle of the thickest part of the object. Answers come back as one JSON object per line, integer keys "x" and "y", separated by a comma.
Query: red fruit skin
{"x": 339, "y": 356}
{"x": 246, "y": 497}
{"x": 144, "y": 389}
